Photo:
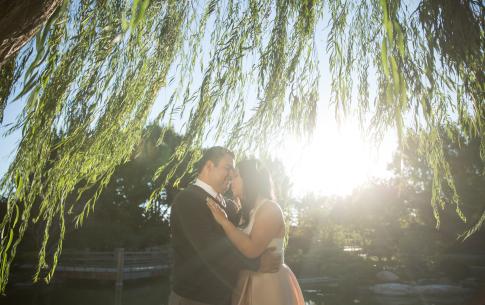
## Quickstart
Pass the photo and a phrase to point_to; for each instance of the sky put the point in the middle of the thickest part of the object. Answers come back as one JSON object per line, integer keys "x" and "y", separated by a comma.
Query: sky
{"x": 337, "y": 159}
{"x": 334, "y": 161}
{"x": 8, "y": 144}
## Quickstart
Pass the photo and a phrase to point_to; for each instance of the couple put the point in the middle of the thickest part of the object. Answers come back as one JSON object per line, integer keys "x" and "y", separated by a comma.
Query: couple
{"x": 229, "y": 252}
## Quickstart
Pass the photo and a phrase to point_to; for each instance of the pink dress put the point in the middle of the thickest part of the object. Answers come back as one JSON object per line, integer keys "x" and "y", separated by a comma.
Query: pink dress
{"x": 280, "y": 288}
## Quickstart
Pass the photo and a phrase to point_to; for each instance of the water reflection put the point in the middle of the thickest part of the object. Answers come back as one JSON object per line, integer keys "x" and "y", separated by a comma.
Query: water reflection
{"x": 363, "y": 298}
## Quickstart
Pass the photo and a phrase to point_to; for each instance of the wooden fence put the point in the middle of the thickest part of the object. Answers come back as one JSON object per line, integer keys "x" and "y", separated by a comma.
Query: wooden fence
{"x": 110, "y": 265}
{"x": 118, "y": 265}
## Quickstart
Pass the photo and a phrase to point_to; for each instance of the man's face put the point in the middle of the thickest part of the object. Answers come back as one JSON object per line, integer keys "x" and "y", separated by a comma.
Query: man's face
{"x": 220, "y": 173}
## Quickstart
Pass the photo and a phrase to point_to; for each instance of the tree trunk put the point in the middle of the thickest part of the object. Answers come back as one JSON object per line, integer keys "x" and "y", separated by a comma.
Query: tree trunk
{"x": 19, "y": 21}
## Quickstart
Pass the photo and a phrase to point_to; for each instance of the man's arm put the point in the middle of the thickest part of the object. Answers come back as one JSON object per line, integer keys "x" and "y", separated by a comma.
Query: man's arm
{"x": 207, "y": 238}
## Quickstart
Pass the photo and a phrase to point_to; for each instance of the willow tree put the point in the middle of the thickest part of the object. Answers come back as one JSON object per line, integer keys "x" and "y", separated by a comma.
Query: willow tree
{"x": 92, "y": 73}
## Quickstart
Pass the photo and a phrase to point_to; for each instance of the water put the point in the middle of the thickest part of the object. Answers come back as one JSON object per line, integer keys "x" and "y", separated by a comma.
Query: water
{"x": 155, "y": 292}
{"x": 362, "y": 298}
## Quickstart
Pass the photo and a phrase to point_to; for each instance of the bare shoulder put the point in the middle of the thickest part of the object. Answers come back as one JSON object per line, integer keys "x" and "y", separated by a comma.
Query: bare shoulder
{"x": 271, "y": 209}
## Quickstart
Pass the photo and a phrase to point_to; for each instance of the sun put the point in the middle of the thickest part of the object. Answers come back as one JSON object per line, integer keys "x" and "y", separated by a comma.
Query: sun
{"x": 335, "y": 160}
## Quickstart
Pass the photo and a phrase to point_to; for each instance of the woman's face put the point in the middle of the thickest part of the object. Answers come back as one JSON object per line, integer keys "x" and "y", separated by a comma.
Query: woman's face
{"x": 237, "y": 185}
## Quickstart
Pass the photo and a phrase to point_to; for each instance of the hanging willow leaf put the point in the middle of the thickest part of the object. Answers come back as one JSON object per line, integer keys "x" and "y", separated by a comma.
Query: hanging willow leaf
{"x": 243, "y": 73}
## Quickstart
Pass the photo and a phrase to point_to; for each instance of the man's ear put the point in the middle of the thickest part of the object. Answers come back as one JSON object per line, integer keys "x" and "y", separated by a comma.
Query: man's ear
{"x": 210, "y": 165}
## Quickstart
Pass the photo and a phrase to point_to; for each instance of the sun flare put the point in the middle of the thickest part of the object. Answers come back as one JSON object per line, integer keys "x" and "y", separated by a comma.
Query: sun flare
{"x": 335, "y": 160}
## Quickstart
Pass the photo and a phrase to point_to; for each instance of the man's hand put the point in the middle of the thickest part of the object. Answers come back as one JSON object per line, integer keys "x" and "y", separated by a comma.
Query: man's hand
{"x": 270, "y": 262}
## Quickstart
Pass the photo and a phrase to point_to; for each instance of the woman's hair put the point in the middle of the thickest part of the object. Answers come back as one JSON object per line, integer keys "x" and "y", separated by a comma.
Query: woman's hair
{"x": 256, "y": 182}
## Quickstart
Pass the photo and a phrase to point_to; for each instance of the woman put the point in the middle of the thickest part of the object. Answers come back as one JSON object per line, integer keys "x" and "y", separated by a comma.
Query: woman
{"x": 263, "y": 227}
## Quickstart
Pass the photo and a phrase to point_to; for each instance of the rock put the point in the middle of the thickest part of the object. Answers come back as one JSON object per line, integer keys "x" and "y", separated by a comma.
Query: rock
{"x": 426, "y": 281}
{"x": 395, "y": 289}
{"x": 439, "y": 289}
{"x": 387, "y": 277}
{"x": 470, "y": 283}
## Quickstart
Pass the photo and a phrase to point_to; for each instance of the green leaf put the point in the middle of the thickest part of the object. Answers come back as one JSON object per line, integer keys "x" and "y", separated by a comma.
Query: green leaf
{"x": 10, "y": 239}
{"x": 395, "y": 75}
{"x": 400, "y": 40}
{"x": 385, "y": 65}
{"x": 27, "y": 87}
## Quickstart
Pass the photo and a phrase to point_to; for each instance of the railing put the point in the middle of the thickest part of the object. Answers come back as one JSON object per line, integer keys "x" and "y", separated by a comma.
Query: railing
{"x": 117, "y": 265}
{"x": 109, "y": 262}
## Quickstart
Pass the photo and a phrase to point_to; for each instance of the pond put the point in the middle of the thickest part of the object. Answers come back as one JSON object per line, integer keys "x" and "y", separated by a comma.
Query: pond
{"x": 155, "y": 292}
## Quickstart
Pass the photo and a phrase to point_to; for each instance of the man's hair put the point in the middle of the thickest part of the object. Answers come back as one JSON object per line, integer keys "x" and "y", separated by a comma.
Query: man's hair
{"x": 214, "y": 154}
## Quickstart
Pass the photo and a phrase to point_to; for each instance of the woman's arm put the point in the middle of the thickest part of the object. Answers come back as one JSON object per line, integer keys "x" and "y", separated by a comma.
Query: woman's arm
{"x": 267, "y": 225}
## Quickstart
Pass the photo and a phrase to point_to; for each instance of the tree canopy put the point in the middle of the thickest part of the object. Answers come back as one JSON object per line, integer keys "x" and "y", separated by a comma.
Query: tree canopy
{"x": 92, "y": 73}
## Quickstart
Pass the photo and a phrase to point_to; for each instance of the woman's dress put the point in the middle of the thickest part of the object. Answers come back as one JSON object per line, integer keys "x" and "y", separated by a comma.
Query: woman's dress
{"x": 255, "y": 288}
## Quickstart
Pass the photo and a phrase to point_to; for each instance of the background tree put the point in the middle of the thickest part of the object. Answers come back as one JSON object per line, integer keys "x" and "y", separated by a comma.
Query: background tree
{"x": 463, "y": 156}
{"x": 121, "y": 211}
{"x": 389, "y": 224}
{"x": 94, "y": 71}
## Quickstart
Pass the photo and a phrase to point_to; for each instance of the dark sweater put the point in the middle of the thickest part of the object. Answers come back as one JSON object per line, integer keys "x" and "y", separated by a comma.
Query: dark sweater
{"x": 206, "y": 263}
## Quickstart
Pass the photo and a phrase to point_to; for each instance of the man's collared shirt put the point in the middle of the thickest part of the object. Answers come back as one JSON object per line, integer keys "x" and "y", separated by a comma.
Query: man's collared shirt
{"x": 206, "y": 187}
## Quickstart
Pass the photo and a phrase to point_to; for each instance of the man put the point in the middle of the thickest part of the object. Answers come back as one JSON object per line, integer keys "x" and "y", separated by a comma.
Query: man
{"x": 206, "y": 264}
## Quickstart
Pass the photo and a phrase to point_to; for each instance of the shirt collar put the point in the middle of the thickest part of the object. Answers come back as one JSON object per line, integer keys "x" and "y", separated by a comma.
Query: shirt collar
{"x": 206, "y": 188}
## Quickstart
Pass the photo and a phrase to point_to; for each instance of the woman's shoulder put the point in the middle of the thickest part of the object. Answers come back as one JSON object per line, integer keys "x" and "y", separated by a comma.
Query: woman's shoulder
{"x": 271, "y": 208}
{"x": 269, "y": 217}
